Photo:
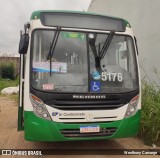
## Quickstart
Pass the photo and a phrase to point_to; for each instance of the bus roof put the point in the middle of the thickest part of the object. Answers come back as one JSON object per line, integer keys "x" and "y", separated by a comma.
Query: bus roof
{"x": 37, "y": 15}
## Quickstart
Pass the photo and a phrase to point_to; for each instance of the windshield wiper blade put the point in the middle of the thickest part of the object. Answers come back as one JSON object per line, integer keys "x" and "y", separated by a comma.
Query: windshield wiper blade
{"x": 54, "y": 42}
{"x": 52, "y": 47}
{"x": 106, "y": 45}
{"x": 94, "y": 50}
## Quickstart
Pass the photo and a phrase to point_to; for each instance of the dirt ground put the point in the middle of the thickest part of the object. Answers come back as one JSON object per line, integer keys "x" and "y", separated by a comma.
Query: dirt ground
{"x": 10, "y": 138}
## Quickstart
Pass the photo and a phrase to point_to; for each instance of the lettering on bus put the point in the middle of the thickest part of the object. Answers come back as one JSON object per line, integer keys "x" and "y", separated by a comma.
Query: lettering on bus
{"x": 73, "y": 35}
{"x": 72, "y": 114}
{"x": 89, "y": 97}
{"x": 112, "y": 77}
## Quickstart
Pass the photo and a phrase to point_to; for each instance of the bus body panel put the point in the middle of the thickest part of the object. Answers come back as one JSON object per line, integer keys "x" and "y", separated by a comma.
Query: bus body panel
{"x": 38, "y": 129}
{"x": 87, "y": 115}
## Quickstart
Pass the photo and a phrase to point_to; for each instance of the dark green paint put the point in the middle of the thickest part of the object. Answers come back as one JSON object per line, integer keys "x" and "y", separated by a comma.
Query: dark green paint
{"x": 38, "y": 129}
{"x": 20, "y": 119}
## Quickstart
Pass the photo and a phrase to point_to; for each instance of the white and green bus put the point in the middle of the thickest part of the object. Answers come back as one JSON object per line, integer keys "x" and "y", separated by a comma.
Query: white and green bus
{"x": 79, "y": 77}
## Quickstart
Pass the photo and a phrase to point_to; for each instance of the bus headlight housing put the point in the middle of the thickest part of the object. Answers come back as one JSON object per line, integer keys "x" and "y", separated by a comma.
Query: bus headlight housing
{"x": 39, "y": 108}
{"x": 132, "y": 107}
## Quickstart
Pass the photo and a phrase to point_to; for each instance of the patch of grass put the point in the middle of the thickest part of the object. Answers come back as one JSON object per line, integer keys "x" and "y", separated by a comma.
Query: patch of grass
{"x": 150, "y": 116}
{"x": 8, "y": 83}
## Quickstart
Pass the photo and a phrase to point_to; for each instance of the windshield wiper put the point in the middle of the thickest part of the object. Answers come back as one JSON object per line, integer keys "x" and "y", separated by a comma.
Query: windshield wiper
{"x": 101, "y": 52}
{"x": 52, "y": 47}
{"x": 106, "y": 45}
{"x": 92, "y": 42}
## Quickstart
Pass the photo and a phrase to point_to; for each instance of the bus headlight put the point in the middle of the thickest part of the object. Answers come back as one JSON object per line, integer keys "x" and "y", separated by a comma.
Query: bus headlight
{"x": 132, "y": 107}
{"x": 39, "y": 108}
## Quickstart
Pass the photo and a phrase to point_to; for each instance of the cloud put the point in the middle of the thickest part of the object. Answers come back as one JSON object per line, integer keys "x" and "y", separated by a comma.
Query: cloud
{"x": 14, "y": 13}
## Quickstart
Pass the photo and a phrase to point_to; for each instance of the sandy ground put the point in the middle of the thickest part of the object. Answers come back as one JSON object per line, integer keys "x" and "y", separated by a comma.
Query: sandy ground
{"x": 10, "y": 138}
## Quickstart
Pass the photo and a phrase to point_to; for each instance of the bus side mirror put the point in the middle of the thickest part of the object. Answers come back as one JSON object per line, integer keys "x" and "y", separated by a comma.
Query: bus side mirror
{"x": 23, "y": 44}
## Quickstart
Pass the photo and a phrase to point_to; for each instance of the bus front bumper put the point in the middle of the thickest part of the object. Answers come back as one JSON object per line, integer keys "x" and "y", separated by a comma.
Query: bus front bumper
{"x": 38, "y": 129}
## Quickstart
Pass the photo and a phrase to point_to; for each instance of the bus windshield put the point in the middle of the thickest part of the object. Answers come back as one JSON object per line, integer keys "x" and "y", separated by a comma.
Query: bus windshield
{"x": 73, "y": 64}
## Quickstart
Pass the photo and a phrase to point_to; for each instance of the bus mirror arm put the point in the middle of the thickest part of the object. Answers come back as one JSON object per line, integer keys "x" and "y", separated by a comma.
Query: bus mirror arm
{"x": 136, "y": 45}
{"x": 26, "y": 27}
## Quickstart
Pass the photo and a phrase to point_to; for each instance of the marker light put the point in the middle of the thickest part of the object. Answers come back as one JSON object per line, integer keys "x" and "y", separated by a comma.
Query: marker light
{"x": 45, "y": 115}
{"x": 36, "y": 99}
{"x": 91, "y": 36}
{"x": 39, "y": 108}
{"x": 132, "y": 107}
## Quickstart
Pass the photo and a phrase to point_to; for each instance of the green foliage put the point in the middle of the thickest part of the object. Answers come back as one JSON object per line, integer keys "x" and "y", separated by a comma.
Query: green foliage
{"x": 7, "y": 70}
{"x": 150, "y": 116}
{"x": 8, "y": 83}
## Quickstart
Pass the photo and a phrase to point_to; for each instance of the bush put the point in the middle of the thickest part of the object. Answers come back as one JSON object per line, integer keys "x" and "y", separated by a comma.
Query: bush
{"x": 150, "y": 116}
{"x": 7, "y": 71}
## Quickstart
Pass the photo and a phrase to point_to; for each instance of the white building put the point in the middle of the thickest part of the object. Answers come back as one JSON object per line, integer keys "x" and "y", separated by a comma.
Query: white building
{"x": 144, "y": 17}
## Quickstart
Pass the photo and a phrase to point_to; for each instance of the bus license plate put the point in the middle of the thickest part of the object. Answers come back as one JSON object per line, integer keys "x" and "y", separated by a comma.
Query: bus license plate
{"x": 89, "y": 129}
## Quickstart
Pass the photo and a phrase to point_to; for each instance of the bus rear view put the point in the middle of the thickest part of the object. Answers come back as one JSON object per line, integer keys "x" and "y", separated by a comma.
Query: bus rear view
{"x": 79, "y": 78}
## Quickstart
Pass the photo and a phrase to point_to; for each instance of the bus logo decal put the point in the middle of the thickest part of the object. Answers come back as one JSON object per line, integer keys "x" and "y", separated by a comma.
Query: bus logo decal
{"x": 96, "y": 75}
{"x": 54, "y": 113}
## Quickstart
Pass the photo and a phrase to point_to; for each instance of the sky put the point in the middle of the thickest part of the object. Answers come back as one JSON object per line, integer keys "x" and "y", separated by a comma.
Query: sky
{"x": 14, "y": 13}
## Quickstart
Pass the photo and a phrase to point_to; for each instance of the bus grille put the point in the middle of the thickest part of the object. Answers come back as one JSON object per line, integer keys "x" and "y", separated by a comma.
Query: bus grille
{"x": 86, "y": 105}
{"x": 75, "y": 133}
